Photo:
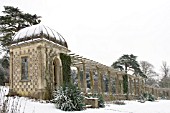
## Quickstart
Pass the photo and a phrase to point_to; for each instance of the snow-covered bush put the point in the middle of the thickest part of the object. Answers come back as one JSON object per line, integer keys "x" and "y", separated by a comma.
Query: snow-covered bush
{"x": 142, "y": 98}
{"x": 9, "y": 104}
{"x": 147, "y": 97}
{"x": 68, "y": 98}
{"x": 118, "y": 102}
{"x": 151, "y": 97}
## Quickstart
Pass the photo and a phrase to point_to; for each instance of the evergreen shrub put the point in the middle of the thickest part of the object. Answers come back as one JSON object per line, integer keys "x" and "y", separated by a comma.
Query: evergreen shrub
{"x": 68, "y": 98}
{"x": 151, "y": 97}
{"x": 147, "y": 97}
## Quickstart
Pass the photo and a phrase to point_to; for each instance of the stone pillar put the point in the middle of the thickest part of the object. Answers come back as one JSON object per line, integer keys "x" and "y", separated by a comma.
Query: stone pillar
{"x": 84, "y": 78}
{"x": 121, "y": 87}
{"x": 143, "y": 89}
{"x": 146, "y": 89}
{"x": 61, "y": 71}
{"x": 99, "y": 81}
{"x": 150, "y": 90}
{"x": 153, "y": 91}
{"x": 135, "y": 88}
{"x": 40, "y": 67}
{"x": 42, "y": 81}
{"x": 117, "y": 84}
{"x": 102, "y": 84}
{"x": 156, "y": 93}
{"x": 138, "y": 86}
{"x": 110, "y": 86}
{"x": 92, "y": 81}
{"x": 78, "y": 77}
{"x": 130, "y": 85}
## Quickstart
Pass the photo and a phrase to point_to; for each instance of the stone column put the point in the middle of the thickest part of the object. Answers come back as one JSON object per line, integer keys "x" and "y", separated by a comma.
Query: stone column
{"x": 143, "y": 89}
{"x": 78, "y": 77}
{"x": 138, "y": 86}
{"x": 99, "y": 81}
{"x": 61, "y": 71}
{"x": 102, "y": 84}
{"x": 156, "y": 93}
{"x": 84, "y": 78}
{"x": 135, "y": 88}
{"x": 147, "y": 88}
{"x": 121, "y": 87}
{"x": 130, "y": 85}
{"x": 92, "y": 81}
{"x": 117, "y": 84}
{"x": 39, "y": 55}
{"x": 153, "y": 91}
{"x": 150, "y": 90}
{"x": 110, "y": 86}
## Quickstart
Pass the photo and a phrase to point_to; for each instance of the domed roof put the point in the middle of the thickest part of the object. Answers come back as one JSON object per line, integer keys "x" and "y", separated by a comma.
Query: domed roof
{"x": 39, "y": 31}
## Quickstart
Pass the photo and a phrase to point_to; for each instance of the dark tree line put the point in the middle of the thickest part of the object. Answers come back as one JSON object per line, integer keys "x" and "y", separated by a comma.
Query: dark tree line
{"x": 13, "y": 20}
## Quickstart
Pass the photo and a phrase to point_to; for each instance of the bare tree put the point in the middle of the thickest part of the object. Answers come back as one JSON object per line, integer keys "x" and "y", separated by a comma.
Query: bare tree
{"x": 165, "y": 81}
{"x": 148, "y": 69}
{"x": 165, "y": 69}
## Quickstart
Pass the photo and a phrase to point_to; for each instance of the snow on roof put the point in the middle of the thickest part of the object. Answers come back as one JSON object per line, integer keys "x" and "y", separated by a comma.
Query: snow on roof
{"x": 39, "y": 31}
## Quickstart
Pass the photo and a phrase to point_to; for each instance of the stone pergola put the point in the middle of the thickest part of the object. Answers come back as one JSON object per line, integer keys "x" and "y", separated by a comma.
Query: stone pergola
{"x": 114, "y": 77}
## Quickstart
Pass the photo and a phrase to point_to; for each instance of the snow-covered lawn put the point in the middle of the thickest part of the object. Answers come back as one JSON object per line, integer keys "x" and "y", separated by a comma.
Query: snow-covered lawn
{"x": 160, "y": 106}
{"x": 32, "y": 106}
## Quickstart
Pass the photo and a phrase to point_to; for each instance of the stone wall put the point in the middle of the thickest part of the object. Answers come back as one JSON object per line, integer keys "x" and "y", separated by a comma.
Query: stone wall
{"x": 30, "y": 86}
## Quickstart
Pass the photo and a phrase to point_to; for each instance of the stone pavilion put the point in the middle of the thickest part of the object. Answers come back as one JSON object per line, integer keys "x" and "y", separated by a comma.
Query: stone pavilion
{"x": 35, "y": 50}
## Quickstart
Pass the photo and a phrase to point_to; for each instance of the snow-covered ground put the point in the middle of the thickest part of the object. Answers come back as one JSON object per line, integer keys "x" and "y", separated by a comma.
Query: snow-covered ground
{"x": 32, "y": 106}
{"x": 160, "y": 106}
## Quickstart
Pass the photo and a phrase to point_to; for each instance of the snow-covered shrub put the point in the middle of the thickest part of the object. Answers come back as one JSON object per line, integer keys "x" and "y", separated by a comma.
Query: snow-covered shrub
{"x": 3, "y": 100}
{"x": 151, "y": 97}
{"x": 68, "y": 98}
{"x": 142, "y": 98}
{"x": 118, "y": 102}
{"x": 163, "y": 97}
{"x": 147, "y": 97}
{"x": 9, "y": 104}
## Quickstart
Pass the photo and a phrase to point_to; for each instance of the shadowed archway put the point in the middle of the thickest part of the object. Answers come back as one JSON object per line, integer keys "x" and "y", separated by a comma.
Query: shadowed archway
{"x": 57, "y": 72}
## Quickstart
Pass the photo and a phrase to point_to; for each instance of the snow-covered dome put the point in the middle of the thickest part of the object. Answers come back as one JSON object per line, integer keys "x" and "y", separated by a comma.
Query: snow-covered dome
{"x": 39, "y": 31}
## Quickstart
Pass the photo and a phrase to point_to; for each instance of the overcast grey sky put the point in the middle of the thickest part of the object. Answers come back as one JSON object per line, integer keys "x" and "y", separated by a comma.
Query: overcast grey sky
{"x": 104, "y": 30}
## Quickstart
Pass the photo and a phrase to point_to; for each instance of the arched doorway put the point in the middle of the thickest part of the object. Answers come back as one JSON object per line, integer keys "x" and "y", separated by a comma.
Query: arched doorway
{"x": 57, "y": 76}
